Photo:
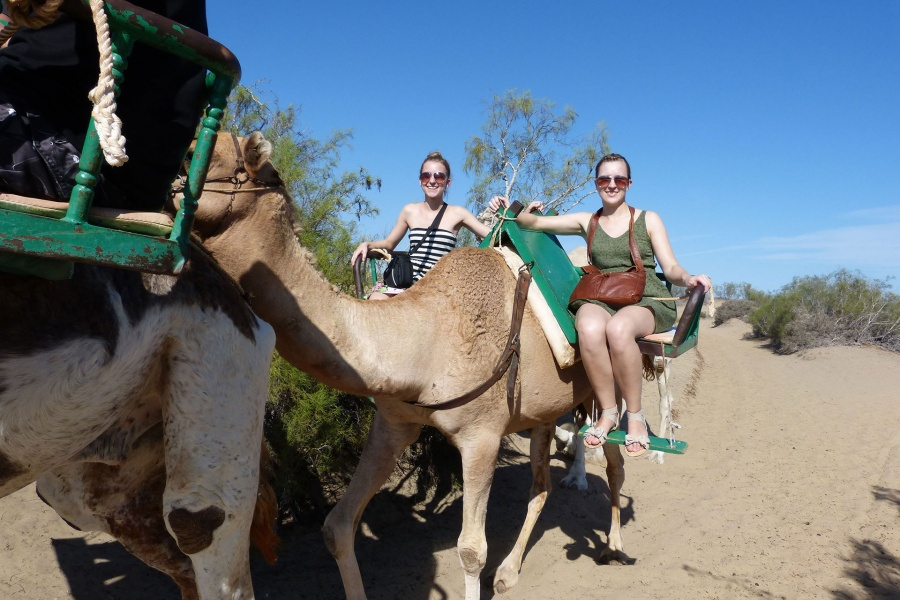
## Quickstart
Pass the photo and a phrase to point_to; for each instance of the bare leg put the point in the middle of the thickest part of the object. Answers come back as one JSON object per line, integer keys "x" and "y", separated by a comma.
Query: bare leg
{"x": 591, "y": 323}
{"x": 508, "y": 573}
{"x": 383, "y": 448}
{"x": 622, "y": 331}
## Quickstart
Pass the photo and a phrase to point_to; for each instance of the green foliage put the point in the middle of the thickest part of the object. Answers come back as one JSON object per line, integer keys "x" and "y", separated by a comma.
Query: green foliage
{"x": 328, "y": 202}
{"x": 527, "y": 152}
{"x": 841, "y": 308}
{"x": 316, "y": 435}
{"x": 738, "y": 291}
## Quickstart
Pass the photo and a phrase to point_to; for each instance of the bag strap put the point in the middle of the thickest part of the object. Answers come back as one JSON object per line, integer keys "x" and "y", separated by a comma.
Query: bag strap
{"x": 632, "y": 243}
{"x": 432, "y": 227}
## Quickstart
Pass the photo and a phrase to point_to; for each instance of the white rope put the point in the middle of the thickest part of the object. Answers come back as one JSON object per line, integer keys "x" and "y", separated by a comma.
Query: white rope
{"x": 106, "y": 121}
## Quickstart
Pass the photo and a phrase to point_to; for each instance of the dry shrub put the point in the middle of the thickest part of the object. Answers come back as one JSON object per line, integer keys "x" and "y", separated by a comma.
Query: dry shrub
{"x": 732, "y": 309}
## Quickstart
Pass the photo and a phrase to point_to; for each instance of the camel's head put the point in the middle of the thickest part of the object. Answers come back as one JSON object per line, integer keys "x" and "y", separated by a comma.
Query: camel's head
{"x": 240, "y": 176}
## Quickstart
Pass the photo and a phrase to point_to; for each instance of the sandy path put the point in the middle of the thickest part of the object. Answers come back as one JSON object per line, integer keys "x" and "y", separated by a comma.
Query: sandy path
{"x": 790, "y": 489}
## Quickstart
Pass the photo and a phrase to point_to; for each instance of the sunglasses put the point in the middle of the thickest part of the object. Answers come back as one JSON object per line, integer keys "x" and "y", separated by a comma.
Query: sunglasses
{"x": 425, "y": 176}
{"x": 605, "y": 180}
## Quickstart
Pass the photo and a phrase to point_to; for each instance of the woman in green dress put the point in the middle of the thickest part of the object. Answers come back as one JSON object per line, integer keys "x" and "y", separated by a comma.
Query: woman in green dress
{"x": 607, "y": 337}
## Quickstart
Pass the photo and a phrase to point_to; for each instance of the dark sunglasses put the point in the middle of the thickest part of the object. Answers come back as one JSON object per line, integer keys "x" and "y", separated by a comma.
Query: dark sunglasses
{"x": 425, "y": 176}
{"x": 605, "y": 180}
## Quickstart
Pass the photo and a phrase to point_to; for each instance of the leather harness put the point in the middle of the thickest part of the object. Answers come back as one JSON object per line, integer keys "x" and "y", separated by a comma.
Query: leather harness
{"x": 509, "y": 358}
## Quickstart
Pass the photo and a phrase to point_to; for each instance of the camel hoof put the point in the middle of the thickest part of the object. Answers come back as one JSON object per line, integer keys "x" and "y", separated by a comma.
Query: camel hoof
{"x": 615, "y": 558}
{"x": 506, "y": 583}
{"x": 573, "y": 482}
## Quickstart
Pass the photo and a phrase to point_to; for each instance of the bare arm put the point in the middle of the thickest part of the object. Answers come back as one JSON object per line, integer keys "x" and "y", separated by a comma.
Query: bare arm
{"x": 567, "y": 224}
{"x": 674, "y": 272}
{"x": 468, "y": 220}
{"x": 388, "y": 243}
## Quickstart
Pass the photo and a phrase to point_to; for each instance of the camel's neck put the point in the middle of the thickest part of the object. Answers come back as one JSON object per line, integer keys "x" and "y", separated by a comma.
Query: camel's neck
{"x": 337, "y": 339}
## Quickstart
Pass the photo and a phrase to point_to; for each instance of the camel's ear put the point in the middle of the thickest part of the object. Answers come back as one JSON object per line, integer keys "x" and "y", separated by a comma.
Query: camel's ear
{"x": 257, "y": 151}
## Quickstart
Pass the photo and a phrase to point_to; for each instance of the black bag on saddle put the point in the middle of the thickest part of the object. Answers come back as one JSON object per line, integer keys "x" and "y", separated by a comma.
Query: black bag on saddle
{"x": 399, "y": 272}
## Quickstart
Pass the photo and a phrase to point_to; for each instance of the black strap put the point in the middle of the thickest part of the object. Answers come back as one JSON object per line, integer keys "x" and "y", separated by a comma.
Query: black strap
{"x": 433, "y": 227}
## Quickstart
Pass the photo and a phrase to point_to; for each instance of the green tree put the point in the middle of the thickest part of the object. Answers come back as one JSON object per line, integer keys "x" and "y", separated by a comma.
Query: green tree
{"x": 527, "y": 151}
{"x": 329, "y": 202}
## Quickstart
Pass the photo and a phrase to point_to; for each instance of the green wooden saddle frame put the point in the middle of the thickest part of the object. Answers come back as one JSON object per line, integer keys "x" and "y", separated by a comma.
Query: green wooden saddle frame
{"x": 35, "y": 240}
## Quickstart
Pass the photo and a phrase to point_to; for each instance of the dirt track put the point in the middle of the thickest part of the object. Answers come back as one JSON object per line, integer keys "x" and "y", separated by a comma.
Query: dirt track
{"x": 790, "y": 489}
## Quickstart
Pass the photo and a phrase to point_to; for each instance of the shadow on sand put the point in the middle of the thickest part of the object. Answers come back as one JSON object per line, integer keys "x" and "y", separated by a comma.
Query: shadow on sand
{"x": 397, "y": 542}
{"x": 870, "y": 564}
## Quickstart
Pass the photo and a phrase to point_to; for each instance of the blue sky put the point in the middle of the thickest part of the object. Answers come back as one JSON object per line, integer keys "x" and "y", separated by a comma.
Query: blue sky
{"x": 766, "y": 134}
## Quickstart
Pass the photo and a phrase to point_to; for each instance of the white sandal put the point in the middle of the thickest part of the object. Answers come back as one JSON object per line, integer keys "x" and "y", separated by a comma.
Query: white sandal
{"x": 643, "y": 440}
{"x": 598, "y": 432}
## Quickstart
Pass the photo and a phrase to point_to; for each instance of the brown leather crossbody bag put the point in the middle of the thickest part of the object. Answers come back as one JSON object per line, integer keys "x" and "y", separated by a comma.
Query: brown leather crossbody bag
{"x": 614, "y": 289}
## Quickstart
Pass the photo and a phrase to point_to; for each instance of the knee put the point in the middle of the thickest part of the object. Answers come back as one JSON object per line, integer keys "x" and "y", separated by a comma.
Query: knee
{"x": 336, "y": 531}
{"x": 194, "y": 530}
{"x": 591, "y": 334}
{"x": 619, "y": 336}
{"x": 472, "y": 559}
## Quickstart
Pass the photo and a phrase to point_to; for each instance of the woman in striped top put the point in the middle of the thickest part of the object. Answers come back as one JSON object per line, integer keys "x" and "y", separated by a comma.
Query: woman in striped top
{"x": 434, "y": 177}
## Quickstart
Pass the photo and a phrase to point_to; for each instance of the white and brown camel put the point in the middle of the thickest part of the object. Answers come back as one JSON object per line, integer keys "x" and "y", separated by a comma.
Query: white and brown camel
{"x": 112, "y": 373}
{"x": 438, "y": 340}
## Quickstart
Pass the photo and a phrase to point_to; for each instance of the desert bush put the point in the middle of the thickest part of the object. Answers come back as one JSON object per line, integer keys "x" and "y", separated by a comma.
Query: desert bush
{"x": 737, "y": 291}
{"x": 316, "y": 435}
{"x": 732, "y": 309}
{"x": 841, "y": 308}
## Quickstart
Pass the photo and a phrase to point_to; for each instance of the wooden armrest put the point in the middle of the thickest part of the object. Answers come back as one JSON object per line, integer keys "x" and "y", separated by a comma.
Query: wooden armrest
{"x": 164, "y": 34}
{"x": 687, "y": 316}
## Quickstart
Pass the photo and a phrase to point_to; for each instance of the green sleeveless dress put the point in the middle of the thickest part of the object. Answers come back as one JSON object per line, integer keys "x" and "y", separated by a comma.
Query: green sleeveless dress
{"x": 613, "y": 254}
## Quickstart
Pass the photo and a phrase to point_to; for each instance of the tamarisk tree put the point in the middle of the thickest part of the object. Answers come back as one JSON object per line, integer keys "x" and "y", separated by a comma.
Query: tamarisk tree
{"x": 527, "y": 151}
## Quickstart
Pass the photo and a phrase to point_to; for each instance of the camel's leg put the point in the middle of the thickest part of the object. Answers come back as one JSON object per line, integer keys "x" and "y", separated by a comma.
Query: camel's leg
{"x": 212, "y": 431}
{"x": 615, "y": 476}
{"x": 577, "y": 477}
{"x": 566, "y": 438}
{"x": 508, "y": 573}
{"x": 479, "y": 460}
{"x": 383, "y": 448}
{"x": 125, "y": 502}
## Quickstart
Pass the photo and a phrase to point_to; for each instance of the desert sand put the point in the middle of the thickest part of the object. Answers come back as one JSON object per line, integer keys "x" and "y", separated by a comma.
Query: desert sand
{"x": 790, "y": 488}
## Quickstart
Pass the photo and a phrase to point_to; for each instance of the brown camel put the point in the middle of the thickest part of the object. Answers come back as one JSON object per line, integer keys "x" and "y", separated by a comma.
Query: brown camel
{"x": 114, "y": 375}
{"x": 436, "y": 341}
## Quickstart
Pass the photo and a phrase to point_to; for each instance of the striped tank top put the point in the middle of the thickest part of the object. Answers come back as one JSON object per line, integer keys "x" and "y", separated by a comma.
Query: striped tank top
{"x": 436, "y": 245}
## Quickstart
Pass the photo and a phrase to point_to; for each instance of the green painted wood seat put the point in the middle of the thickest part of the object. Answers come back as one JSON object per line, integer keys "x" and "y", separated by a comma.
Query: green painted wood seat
{"x": 44, "y": 238}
